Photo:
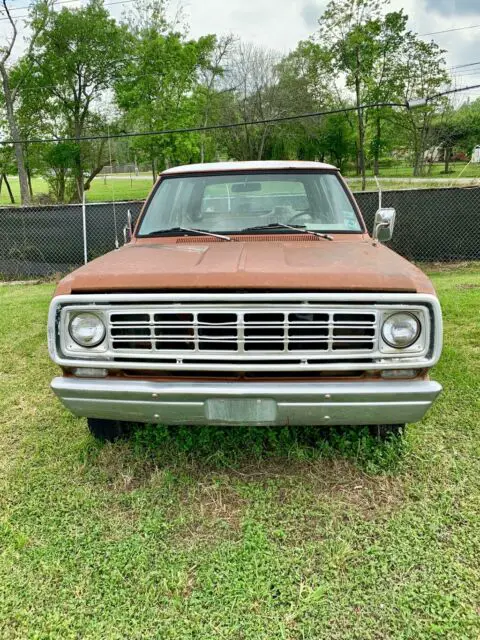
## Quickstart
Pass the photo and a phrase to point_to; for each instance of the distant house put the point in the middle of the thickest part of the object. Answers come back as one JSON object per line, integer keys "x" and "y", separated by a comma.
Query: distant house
{"x": 476, "y": 154}
{"x": 434, "y": 154}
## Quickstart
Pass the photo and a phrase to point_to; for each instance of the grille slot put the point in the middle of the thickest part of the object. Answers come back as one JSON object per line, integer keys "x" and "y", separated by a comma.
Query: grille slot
{"x": 254, "y": 332}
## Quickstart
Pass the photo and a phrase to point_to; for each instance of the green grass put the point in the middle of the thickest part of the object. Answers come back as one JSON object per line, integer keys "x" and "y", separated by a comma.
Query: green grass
{"x": 238, "y": 533}
{"x": 103, "y": 189}
{"x": 436, "y": 170}
{"x": 122, "y": 187}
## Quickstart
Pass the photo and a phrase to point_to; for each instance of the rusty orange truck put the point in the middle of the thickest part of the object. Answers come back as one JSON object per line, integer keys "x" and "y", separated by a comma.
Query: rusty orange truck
{"x": 249, "y": 293}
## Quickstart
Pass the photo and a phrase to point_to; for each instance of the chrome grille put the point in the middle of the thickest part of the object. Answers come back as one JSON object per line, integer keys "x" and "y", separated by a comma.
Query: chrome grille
{"x": 252, "y": 332}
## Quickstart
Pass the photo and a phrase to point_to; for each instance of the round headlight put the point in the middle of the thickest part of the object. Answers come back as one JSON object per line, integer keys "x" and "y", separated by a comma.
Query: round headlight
{"x": 401, "y": 330}
{"x": 87, "y": 329}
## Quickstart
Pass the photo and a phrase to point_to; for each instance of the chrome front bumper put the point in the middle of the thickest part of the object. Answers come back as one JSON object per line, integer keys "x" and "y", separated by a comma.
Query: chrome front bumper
{"x": 239, "y": 403}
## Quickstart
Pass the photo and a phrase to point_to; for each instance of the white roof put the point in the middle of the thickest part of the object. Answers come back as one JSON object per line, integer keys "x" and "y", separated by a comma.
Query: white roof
{"x": 269, "y": 165}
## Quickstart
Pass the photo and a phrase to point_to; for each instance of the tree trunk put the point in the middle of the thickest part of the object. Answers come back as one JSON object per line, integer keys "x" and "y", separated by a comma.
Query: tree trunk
{"x": 416, "y": 158}
{"x": 448, "y": 153}
{"x": 416, "y": 164}
{"x": 361, "y": 126}
{"x": 78, "y": 161}
{"x": 61, "y": 186}
{"x": 202, "y": 140}
{"x": 29, "y": 176}
{"x": 91, "y": 177}
{"x": 9, "y": 189}
{"x": 154, "y": 169}
{"x": 376, "y": 159}
{"x": 262, "y": 143}
{"x": 361, "y": 148}
{"x": 14, "y": 134}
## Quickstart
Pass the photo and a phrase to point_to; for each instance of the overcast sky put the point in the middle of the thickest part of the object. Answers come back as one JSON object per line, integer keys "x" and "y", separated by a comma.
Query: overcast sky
{"x": 280, "y": 24}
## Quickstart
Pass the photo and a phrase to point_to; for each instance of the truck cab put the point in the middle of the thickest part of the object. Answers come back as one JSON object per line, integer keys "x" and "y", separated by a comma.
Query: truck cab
{"x": 249, "y": 293}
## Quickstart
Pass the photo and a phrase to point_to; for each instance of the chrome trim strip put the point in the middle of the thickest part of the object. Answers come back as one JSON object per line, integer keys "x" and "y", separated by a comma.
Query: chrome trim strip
{"x": 342, "y": 403}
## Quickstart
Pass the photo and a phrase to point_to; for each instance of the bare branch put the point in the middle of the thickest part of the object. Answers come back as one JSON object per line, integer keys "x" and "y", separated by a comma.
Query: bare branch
{"x": 39, "y": 27}
{"x": 9, "y": 47}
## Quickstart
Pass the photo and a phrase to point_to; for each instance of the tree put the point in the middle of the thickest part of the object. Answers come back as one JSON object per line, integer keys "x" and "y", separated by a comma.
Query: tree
{"x": 156, "y": 89}
{"x": 38, "y": 19}
{"x": 349, "y": 32}
{"x": 207, "y": 95}
{"x": 253, "y": 76}
{"x": 61, "y": 159}
{"x": 77, "y": 58}
{"x": 423, "y": 72}
{"x": 306, "y": 84}
{"x": 385, "y": 83}
{"x": 7, "y": 162}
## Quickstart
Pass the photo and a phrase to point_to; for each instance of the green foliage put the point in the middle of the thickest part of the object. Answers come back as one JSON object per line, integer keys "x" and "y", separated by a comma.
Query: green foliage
{"x": 156, "y": 85}
{"x": 61, "y": 160}
{"x": 76, "y": 59}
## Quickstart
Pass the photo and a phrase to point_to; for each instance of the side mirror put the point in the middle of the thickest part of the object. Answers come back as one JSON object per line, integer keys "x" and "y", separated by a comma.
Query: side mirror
{"x": 384, "y": 225}
{"x": 128, "y": 228}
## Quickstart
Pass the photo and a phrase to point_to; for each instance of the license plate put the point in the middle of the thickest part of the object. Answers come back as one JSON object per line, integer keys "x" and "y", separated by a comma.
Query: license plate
{"x": 241, "y": 410}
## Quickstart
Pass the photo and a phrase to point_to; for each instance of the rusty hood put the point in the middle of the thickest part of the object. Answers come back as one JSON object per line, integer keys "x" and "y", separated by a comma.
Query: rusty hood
{"x": 340, "y": 265}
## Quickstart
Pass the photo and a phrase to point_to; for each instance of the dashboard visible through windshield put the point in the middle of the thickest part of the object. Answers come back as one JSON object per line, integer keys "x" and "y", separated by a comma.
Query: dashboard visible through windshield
{"x": 237, "y": 202}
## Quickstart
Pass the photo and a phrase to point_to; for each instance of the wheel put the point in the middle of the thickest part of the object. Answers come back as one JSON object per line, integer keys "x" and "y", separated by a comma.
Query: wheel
{"x": 108, "y": 430}
{"x": 385, "y": 431}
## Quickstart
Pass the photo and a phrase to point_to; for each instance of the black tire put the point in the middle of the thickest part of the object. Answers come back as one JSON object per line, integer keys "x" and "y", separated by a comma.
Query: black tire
{"x": 108, "y": 430}
{"x": 386, "y": 431}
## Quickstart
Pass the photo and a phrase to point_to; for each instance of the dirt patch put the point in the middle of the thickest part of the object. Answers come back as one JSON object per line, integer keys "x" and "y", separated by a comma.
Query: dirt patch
{"x": 448, "y": 267}
{"x": 211, "y": 511}
{"x": 468, "y": 286}
{"x": 6, "y": 283}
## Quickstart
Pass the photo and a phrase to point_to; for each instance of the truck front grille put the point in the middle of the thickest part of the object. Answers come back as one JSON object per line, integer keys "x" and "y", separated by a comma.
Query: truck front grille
{"x": 243, "y": 333}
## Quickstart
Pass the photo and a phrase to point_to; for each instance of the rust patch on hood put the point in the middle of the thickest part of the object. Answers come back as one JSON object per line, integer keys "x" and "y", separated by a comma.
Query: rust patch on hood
{"x": 346, "y": 264}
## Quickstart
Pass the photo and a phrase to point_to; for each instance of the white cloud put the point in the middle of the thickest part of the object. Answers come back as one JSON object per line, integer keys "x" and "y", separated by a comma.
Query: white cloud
{"x": 280, "y": 24}
{"x": 276, "y": 24}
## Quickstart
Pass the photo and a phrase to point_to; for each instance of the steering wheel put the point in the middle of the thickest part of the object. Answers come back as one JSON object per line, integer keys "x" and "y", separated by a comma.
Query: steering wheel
{"x": 299, "y": 215}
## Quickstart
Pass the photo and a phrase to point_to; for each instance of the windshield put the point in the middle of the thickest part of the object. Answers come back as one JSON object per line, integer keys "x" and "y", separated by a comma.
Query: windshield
{"x": 237, "y": 202}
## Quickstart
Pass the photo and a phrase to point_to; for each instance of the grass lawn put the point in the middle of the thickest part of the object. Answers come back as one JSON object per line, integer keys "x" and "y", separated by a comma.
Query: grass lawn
{"x": 238, "y": 533}
{"x": 122, "y": 187}
{"x": 457, "y": 170}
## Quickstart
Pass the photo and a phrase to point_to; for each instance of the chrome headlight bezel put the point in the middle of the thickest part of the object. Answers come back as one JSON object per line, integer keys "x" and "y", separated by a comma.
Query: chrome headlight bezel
{"x": 416, "y": 333}
{"x": 70, "y": 345}
{"x": 100, "y": 329}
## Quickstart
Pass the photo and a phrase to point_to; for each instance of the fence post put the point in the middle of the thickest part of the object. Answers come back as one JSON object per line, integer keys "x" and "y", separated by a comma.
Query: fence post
{"x": 84, "y": 218}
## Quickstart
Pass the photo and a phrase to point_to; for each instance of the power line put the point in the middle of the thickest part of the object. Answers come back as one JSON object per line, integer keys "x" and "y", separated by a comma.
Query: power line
{"x": 213, "y": 127}
{"x": 29, "y": 6}
{"x": 450, "y": 91}
{"x": 462, "y": 66}
{"x": 107, "y": 4}
{"x": 234, "y": 125}
{"x": 435, "y": 33}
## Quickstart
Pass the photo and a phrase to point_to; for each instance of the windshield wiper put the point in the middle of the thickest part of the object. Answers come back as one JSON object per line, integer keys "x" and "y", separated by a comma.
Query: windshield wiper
{"x": 293, "y": 227}
{"x": 200, "y": 232}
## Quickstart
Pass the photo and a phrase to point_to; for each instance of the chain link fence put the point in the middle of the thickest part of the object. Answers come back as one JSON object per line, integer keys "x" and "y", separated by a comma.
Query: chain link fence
{"x": 45, "y": 241}
{"x": 433, "y": 225}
